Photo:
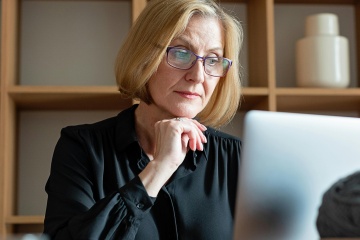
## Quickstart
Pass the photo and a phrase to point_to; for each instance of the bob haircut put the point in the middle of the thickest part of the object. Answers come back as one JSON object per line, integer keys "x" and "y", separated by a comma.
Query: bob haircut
{"x": 145, "y": 46}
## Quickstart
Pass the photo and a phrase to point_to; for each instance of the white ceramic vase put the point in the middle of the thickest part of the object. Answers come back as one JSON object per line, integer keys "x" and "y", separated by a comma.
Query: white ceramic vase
{"x": 322, "y": 56}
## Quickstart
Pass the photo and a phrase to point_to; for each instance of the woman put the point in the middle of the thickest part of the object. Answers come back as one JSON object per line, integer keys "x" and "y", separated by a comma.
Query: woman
{"x": 155, "y": 171}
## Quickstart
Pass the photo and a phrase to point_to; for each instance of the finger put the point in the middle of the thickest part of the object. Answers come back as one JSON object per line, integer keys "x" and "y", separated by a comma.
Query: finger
{"x": 198, "y": 126}
{"x": 185, "y": 141}
{"x": 195, "y": 137}
{"x": 194, "y": 141}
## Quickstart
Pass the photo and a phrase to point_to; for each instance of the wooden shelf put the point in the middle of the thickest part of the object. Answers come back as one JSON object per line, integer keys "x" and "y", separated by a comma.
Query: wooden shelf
{"x": 318, "y": 91}
{"x": 25, "y": 220}
{"x": 254, "y": 98}
{"x": 67, "y": 98}
{"x": 317, "y": 1}
{"x": 255, "y": 91}
{"x": 316, "y": 99}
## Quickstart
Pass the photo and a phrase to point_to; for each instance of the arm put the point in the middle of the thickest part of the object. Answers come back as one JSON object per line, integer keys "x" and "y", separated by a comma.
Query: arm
{"x": 73, "y": 212}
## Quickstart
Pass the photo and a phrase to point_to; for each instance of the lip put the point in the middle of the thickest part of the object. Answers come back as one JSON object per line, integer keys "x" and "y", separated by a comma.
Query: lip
{"x": 187, "y": 94}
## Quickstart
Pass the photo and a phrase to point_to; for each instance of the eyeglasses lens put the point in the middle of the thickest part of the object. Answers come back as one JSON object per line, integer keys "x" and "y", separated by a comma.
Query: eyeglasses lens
{"x": 181, "y": 58}
{"x": 185, "y": 59}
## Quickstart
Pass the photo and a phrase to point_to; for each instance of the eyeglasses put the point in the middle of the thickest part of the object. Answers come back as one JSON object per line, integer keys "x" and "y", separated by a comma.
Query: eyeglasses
{"x": 184, "y": 59}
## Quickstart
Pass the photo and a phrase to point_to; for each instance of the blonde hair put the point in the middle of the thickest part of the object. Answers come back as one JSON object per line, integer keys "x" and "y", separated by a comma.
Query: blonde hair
{"x": 158, "y": 24}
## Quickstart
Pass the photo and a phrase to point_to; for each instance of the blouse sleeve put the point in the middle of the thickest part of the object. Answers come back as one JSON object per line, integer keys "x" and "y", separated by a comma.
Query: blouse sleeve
{"x": 72, "y": 211}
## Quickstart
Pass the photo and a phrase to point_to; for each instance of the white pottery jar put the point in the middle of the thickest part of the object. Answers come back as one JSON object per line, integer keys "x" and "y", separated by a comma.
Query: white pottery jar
{"x": 322, "y": 56}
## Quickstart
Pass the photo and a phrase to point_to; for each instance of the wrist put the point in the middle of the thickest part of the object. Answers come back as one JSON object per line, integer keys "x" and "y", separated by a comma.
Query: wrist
{"x": 154, "y": 177}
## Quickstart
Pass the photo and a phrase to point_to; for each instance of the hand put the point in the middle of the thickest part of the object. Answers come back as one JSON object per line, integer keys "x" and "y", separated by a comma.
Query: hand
{"x": 173, "y": 139}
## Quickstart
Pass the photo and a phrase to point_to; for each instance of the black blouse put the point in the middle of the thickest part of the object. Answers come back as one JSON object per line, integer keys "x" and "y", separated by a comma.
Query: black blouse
{"x": 94, "y": 191}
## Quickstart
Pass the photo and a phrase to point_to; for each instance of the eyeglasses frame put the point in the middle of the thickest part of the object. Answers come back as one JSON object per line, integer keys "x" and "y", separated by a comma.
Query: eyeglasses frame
{"x": 197, "y": 57}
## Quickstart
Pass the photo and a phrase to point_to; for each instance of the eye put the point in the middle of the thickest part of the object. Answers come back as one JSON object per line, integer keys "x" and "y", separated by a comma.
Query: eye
{"x": 182, "y": 54}
{"x": 213, "y": 61}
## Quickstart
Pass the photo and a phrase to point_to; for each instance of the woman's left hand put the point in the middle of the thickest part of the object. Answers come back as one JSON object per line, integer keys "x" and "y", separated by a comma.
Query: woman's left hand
{"x": 174, "y": 137}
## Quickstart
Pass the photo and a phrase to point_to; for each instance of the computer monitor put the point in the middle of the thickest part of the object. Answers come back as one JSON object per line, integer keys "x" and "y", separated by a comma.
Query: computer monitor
{"x": 289, "y": 160}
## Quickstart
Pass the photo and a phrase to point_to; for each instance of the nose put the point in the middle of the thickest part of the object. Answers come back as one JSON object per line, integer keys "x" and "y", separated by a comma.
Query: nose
{"x": 197, "y": 72}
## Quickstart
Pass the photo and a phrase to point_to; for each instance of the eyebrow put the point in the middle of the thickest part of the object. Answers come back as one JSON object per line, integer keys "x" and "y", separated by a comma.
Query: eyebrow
{"x": 191, "y": 46}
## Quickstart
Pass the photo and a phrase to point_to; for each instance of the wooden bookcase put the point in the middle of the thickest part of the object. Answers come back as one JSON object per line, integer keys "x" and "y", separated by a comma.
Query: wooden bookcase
{"x": 262, "y": 90}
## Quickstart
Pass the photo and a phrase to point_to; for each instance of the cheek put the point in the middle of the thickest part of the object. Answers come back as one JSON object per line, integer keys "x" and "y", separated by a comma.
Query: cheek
{"x": 155, "y": 80}
{"x": 153, "y": 86}
{"x": 160, "y": 83}
{"x": 164, "y": 78}
{"x": 210, "y": 87}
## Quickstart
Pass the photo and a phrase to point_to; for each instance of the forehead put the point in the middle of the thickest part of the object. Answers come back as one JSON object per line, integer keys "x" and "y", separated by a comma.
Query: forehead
{"x": 203, "y": 31}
